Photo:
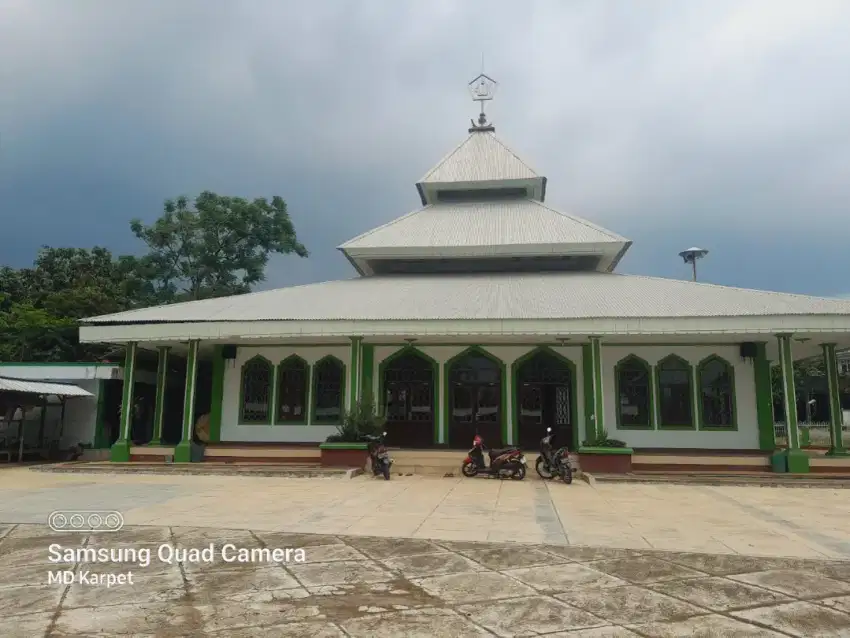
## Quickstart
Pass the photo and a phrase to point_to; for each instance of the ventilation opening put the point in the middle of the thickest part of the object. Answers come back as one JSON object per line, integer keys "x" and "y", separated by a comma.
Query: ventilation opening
{"x": 483, "y": 194}
{"x": 484, "y": 265}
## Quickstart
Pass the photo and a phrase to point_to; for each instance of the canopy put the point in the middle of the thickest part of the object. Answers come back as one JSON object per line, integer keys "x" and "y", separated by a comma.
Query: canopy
{"x": 42, "y": 387}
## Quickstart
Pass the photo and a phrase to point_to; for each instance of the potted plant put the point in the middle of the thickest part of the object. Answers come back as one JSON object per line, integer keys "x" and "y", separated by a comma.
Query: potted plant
{"x": 346, "y": 448}
{"x": 605, "y": 455}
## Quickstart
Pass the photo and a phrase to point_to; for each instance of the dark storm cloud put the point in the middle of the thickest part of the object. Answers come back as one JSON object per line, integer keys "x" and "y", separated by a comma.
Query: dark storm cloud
{"x": 720, "y": 124}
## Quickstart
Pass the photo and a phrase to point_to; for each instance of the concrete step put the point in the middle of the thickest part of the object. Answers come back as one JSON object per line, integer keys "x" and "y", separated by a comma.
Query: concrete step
{"x": 219, "y": 469}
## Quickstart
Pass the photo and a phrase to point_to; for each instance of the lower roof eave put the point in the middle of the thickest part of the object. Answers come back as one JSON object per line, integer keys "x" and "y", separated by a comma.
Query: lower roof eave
{"x": 831, "y": 328}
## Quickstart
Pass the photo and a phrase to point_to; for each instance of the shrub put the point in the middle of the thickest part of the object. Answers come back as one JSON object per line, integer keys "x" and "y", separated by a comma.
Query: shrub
{"x": 360, "y": 421}
{"x": 602, "y": 440}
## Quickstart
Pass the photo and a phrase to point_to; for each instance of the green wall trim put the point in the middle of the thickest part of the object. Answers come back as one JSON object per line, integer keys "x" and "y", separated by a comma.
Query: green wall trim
{"x": 515, "y": 368}
{"x": 650, "y": 388}
{"x": 217, "y": 394}
{"x": 435, "y": 385}
{"x": 836, "y": 439}
{"x": 764, "y": 398}
{"x": 675, "y": 426}
{"x": 293, "y": 358}
{"x": 730, "y": 369}
{"x": 503, "y": 411}
{"x": 101, "y": 442}
{"x": 353, "y": 394}
{"x": 120, "y": 451}
{"x": 272, "y": 381}
{"x": 161, "y": 386}
{"x": 587, "y": 386}
{"x": 598, "y": 384}
{"x": 605, "y": 450}
{"x": 367, "y": 363}
{"x": 786, "y": 362}
{"x": 315, "y": 382}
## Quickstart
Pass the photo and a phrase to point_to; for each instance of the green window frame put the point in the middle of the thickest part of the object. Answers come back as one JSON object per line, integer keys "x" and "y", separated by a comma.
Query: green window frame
{"x": 634, "y": 364}
{"x": 708, "y": 384}
{"x": 256, "y": 389}
{"x": 666, "y": 371}
{"x": 328, "y": 381}
{"x": 293, "y": 391}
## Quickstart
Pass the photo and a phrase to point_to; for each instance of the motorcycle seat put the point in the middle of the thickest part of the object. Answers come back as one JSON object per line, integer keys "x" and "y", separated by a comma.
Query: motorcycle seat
{"x": 499, "y": 452}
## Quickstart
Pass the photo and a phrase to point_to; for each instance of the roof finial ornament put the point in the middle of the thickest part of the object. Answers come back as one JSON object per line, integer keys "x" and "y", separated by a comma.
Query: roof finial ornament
{"x": 482, "y": 90}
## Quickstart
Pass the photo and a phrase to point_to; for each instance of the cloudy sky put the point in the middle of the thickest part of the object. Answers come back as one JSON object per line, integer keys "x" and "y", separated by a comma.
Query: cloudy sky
{"x": 675, "y": 123}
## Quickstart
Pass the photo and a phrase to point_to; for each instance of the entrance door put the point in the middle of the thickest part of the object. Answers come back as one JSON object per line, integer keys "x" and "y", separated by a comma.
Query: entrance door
{"x": 475, "y": 400}
{"x": 409, "y": 401}
{"x": 544, "y": 399}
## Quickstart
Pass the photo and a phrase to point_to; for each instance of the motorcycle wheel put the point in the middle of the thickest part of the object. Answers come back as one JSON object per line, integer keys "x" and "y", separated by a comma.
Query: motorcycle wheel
{"x": 387, "y": 472}
{"x": 469, "y": 469}
{"x": 519, "y": 473}
{"x": 542, "y": 468}
{"x": 567, "y": 474}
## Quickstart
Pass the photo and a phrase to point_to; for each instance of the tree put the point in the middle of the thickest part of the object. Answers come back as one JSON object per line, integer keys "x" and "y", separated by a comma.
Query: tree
{"x": 218, "y": 247}
{"x": 40, "y": 306}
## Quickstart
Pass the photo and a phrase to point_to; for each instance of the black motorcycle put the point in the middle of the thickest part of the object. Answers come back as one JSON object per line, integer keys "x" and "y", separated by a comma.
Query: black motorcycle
{"x": 379, "y": 456}
{"x": 505, "y": 463}
{"x": 553, "y": 462}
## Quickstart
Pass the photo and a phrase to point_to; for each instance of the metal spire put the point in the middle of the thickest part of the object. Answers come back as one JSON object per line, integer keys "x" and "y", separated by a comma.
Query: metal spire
{"x": 482, "y": 89}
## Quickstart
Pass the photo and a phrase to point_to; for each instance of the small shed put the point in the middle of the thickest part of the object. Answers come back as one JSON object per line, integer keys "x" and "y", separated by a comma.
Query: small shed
{"x": 17, "y": 396}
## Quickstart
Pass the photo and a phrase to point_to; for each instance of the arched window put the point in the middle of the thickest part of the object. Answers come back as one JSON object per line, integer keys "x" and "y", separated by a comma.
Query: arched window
{"x": 717, "y": 393}
{"x": 408, "y": 388}
{"x": 675, "y": 393}
{"x": 256, "y": 391}
{"x": 329, "y": 389}
{"x": 292, "y": 378}
{"x": 634, "y": 393}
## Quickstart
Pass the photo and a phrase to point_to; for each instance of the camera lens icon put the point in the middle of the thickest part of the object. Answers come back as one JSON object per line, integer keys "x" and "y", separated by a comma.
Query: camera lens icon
{"x": 85, "y": 521}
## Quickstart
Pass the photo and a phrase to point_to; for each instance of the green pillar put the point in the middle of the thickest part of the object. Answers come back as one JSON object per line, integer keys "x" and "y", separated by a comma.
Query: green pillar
{"x": 120, "y": 451}
{"x": 764, "y": 399}
{"x": 183, "y": 450}
{"x": 836, "y": 419}
{"x": 161, "y": 385}
{"x": 355, "y": 378}
{"x": 593, "y": 394}
{"x": 797, "y": 461}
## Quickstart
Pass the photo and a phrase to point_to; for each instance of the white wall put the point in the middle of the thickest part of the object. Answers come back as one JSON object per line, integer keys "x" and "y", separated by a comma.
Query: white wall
{"x": 232, "y": 430}
{"x": 745, "y": 437}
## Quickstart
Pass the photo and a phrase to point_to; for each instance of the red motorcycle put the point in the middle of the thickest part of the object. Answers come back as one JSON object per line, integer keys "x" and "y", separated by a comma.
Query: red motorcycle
{"x": 507, "y": 462}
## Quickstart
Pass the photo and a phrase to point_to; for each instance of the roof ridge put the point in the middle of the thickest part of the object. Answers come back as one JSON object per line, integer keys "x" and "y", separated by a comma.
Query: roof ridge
{"x": 582, "y": 221}
{"x": 446, "y": 158}
{"x": 708, "y": 284}
{"x": 516, "y": 157}
{"x": 382, "y": 226}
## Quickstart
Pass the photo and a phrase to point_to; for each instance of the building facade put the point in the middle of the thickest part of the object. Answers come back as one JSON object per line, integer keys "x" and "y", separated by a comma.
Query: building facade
{"x": 486, "y": 310}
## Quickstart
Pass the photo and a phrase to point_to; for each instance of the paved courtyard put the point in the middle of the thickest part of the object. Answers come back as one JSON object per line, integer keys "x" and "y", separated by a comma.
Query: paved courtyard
{"x": 431, "y": 557}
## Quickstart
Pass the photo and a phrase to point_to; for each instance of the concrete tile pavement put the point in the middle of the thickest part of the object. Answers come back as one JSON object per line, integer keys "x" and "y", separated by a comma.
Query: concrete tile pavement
{"x": 367, "y": 586}
{"x": 762, "y": 521}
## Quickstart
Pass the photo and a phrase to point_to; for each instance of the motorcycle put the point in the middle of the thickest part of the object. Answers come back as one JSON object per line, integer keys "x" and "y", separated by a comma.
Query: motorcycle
{"x": 552, "y": 462}
{"x": 379, "y": 456}
{"x": 504, "y": 463}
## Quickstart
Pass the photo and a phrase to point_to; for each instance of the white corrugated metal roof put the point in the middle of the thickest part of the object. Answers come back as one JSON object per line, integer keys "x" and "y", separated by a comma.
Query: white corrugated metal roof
{"x": 498, "y": 223}
{"x": 42, "y": 387}
{"x": 480, "y": 157}
{"x": 568, "y": 295}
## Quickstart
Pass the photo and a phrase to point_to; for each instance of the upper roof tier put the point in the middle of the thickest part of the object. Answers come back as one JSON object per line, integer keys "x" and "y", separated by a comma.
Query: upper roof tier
{"x": 480, "y": 167}
{"x": 484, "y": 212}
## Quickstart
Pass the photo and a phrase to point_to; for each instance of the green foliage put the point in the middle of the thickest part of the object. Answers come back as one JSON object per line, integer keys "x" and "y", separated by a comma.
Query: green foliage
{"x": 218, "y": 246}
{"x": 602, "y": 440}
{"x": 360, "y": 421}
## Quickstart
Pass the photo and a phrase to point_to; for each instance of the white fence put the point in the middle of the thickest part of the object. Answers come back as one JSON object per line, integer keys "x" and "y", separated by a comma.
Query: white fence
{"x": 817, "y": 432}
